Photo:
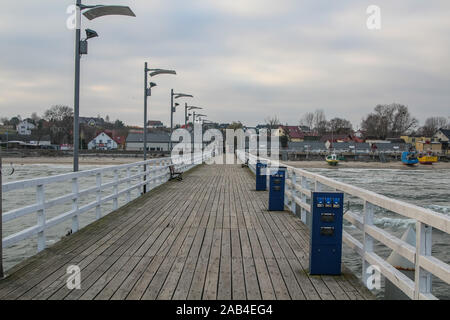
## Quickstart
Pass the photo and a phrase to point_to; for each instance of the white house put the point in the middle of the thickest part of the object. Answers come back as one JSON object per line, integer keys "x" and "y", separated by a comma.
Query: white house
{"x": 102, "y": 142}
{"x": 24, "y": 128}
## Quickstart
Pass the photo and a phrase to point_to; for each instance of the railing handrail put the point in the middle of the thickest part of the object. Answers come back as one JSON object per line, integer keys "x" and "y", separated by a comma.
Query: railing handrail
{"x": 14, "y": 185}
{"x": 420, "y": 256}
{"x": 156, "y": 173}
{"x": 435, "y": 219}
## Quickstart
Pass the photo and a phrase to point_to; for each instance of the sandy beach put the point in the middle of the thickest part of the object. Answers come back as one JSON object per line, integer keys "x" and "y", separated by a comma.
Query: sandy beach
{"x": 299, "y": 164}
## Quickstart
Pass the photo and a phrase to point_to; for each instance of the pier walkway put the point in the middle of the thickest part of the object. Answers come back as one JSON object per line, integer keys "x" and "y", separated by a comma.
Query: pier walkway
{"x": 209, "y": 236}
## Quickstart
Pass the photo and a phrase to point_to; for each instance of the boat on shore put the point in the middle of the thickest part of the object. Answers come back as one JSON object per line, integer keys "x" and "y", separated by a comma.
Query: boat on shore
{"x": 409, "y": 158}
{"x": 427, "y": 159}
{"x": 332, "y": 160}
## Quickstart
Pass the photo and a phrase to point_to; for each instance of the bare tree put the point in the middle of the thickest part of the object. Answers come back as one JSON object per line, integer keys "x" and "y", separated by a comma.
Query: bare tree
{"x": 389, "y": 121}
{"x": 308, "y": 120}
{"x": 319, "y": 119}
{"x": 432, "y": 125}
{"x": 340, "y": 126}
{"x": 273, "y": 122}
{"x": 60, "y": 118}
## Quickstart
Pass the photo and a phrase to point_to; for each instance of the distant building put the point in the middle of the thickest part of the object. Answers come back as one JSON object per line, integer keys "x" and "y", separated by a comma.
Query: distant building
{"x": 31, "y": 140}
{"x": 305, "y": 129}
{"x": 156, "y": 141}
{"x": 155, "y": 124}
{"x": 24, "y": 128}
{"x": 91, "y": 121}
{"x": 294, "y": 133}
{"x": 341, "y": 138}
{"x": 425, "y": 146}
{"x": 307, "y": 146}
{"x": 390, "y": 147}
{"x": 102, "y": 142}
{"x": 413, "y": 139}
{"x": 442, "y": 135}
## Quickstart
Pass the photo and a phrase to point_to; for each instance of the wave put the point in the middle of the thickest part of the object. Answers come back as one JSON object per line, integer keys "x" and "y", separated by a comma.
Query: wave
{"x": 394, "y": 222}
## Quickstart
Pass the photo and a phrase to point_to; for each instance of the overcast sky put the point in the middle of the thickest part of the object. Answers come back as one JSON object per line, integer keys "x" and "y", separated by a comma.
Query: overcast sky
{"x": 243, "y": 60}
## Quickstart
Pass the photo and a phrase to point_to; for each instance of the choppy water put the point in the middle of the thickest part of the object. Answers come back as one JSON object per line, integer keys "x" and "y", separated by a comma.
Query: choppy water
{"x": 426, "y": 188}
{"x": 14, "y": 199}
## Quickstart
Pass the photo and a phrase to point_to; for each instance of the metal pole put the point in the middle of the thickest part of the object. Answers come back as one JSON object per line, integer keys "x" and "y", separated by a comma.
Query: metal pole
{"x": 145, "y": 123}
{"x": 76, "y": 106}
{"x": 1, "y": 223}
{"x": 193, "y": 137}
{"x": 185, "y": 115}
{"x": 171, "y": 119}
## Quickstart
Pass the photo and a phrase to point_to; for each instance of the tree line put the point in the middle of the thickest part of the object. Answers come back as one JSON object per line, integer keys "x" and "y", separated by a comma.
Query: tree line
{"x": 385, "y": 121}
{"x": 57, "y": 123}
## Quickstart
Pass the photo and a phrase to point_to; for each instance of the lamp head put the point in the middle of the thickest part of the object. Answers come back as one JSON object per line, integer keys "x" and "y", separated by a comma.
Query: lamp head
{"x": 156, "y": 72}
{"x": 97, "y": 11}
{"x": 91, "y": 34}
{"x": 183, "y": 95}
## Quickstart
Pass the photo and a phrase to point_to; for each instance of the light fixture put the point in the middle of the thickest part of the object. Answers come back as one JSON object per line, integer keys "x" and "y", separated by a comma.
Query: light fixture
{"x": 156, "y": 72}
{"x": 101, "y": 10}
{"x": 91, "y": 34}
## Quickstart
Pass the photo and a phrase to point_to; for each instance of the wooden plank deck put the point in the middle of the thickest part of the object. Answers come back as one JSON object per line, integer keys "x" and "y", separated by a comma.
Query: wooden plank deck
{"x": 207, "y": 237}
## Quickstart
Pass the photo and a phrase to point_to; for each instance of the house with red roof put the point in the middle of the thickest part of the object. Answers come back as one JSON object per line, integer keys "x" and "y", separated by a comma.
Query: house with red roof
{"x": 294, "y": 133}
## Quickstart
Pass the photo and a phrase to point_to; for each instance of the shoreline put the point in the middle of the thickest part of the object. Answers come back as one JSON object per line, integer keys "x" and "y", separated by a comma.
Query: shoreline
{"x": 365, "y": 165}
{"x": 110, "y": 161}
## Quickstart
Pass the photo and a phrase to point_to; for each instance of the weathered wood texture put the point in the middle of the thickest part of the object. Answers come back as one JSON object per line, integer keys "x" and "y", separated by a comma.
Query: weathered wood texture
{"x": 206, "y": 237}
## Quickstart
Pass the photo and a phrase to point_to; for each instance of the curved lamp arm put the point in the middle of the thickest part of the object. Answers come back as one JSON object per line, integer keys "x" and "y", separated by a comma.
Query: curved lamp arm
{"x": 94, "y": 12}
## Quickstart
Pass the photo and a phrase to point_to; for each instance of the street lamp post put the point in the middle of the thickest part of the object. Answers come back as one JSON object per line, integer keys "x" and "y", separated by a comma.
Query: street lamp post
{"x": 186, "y": 108}
{"x": 173, "y": 109}
{"x": 148, "y": 93}
{"x": 91, "y": 13}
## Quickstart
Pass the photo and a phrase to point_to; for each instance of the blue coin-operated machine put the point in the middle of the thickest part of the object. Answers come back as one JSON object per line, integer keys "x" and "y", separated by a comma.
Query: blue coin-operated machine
{"x": 276, "y": 189}
{"x": 326, "y": 233}
{"x": 261, "y": 178}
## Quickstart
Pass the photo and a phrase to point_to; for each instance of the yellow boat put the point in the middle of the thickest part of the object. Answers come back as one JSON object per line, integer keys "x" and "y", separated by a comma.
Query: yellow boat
{"x": 332, "y": 160}
{"x": 427, "y": 159}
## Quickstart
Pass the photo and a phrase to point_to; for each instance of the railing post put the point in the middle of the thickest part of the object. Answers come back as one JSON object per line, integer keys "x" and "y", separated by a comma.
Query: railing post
{"x": 367, "y": 239}
{"x": 128, "y": 185}
{"x": 116, "y": 190}
{"x": 40, "y": 198}
{"x": 98, "y": 209}
{"x": 1, "y": 223}
{"x": 318, "y": 186}
{"x": 75, "y": 190}
{"x": 293, "y": 192}
{"x": 423, "y": 248}
{"x": 141, "y": 188}
{"x": 303, "y": 212}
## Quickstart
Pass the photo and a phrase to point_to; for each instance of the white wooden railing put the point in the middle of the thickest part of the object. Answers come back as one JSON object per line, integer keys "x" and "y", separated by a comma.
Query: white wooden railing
{"x": 299, "y": 186}
{"x": 150, "y": 173}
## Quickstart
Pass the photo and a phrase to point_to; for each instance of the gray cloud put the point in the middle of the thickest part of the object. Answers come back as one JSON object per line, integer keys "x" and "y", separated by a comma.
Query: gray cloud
{"x": 243, "y": 60}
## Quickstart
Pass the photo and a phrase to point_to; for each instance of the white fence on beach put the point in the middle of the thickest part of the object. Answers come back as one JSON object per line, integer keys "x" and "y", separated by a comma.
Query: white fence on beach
{"x": 299, "y": 186}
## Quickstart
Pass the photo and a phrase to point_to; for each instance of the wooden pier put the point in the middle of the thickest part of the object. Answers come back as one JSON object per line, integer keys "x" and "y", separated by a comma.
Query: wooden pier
{"x": 207, "y": 237}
